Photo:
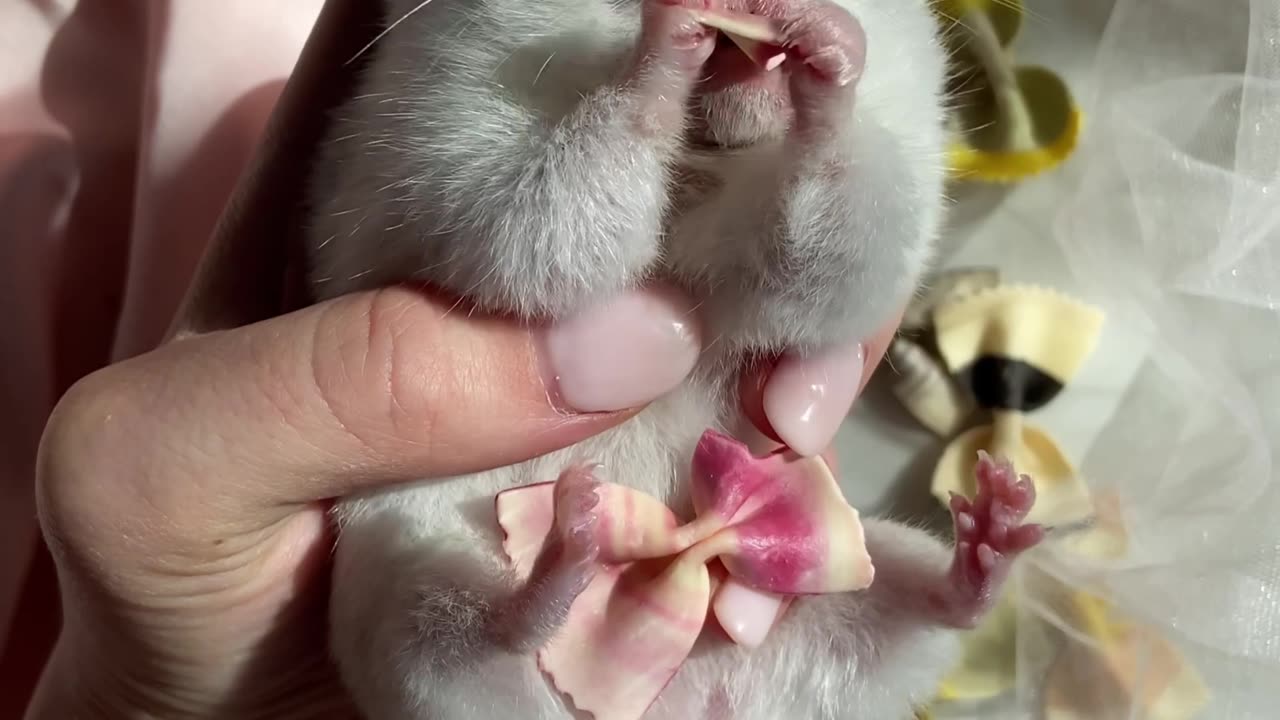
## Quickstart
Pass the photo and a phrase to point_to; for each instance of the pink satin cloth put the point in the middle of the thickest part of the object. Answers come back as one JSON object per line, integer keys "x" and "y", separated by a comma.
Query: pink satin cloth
{"x": 777, "y": 523}
{"x": 123, "y": 128}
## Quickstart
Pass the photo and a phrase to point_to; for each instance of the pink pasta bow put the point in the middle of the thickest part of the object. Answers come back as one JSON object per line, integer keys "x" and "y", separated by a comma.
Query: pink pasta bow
{"x": 778, "y": 523}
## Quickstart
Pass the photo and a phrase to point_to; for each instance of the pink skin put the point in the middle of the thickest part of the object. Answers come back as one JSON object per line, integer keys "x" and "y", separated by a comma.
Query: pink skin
{"x": 825, "y": 48}
{"x": 830, "y": 50}
{"x": 576, "y": 520}
{"x": 563, "y": 569}
{"x": 989, "y": 536}
{"x": 669, "y": 56}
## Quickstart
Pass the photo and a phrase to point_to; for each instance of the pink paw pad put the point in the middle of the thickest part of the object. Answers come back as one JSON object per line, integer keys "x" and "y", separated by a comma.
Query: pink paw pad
{"x": 989, "y": 530}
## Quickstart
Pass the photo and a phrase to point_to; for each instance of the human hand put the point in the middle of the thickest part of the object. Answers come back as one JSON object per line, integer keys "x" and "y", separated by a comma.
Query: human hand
{"x": 183, "y": 492}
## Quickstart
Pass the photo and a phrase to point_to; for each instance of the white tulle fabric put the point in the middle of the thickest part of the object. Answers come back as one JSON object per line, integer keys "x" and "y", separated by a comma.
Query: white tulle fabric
{"x": 1174, "y": 221}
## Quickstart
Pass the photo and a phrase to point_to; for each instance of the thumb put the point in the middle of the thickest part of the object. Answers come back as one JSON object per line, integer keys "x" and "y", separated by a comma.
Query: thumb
{"x": 364, "y": 391}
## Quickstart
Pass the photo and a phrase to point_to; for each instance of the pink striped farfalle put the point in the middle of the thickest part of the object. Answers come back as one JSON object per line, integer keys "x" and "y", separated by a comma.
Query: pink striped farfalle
{"x": 777, "y": 523}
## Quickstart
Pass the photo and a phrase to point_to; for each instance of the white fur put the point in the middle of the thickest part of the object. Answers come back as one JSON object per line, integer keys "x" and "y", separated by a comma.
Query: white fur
{"x": 483, "y": 153}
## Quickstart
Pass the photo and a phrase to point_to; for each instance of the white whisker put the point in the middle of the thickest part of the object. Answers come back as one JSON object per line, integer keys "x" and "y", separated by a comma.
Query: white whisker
{"x": 543, "y": 68}
{"x": 383, "y": 34}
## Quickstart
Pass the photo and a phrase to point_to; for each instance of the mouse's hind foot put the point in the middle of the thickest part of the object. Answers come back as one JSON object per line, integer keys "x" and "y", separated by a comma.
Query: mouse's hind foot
{"x": 989, "y": 536}
{"x": 566, "y": 564}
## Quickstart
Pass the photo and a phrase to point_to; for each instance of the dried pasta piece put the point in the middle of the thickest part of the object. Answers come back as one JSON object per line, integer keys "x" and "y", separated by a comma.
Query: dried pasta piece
{"x": 1015, "y": 128}
{"x": 923, "y": 386}
{"x": 920, "y": 380}
{"x": 755, "y": 35}
{"x": 745, "y": 25}
{"x": 1014, "y": 348}
{"x": 1062, "y": 497}
{"x": 1017, "y": 121}
{"x": 778, "y": 523}
{"x": 945, "y": 286}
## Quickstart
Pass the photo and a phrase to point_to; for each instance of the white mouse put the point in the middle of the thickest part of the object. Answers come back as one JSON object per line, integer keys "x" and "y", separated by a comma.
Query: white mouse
{"x": 535, "y": 156}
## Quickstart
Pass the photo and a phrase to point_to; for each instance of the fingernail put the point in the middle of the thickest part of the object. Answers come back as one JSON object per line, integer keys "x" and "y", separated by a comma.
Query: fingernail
{"x": 623, "y": 353}
{"x": 747, "y": 615}
{"x": 806, "y": 398}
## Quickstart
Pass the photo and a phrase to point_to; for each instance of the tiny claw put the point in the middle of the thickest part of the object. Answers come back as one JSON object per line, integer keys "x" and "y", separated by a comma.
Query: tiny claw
{"x": 583, "y": 528}
{"x": 589, "y": 501}
{"x": 576, "y": 496}
{"x": 828, "y": 63}
{"x": 987, "y": 558}
{"x": 1028, "y": 485}
{"x": 1025, "y": 537}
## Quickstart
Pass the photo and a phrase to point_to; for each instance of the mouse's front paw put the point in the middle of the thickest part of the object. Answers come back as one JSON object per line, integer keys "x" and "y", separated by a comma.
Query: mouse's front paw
{"x": 672, "y": 34}
{"x": 568, "y": 558}
{"x": 576, "y": 498}
{"x": 989, "y": 536}
{"x": 564, "y": 567}
{"x": 669, "y": 55}
{"x": 828, "y": 48}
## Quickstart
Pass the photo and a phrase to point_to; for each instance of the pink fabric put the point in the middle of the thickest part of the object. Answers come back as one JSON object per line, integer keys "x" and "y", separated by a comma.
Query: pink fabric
{"x": 123, "y": 127}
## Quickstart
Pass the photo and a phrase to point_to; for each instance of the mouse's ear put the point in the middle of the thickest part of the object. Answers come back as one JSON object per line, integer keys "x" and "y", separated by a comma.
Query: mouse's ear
{"x": 250, "y": 270}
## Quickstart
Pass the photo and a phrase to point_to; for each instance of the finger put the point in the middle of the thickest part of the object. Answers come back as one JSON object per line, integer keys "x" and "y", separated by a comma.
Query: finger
{"x": 1024, "y": 537}
{"x": 746, "y": 614}
{"x": 801, "y": 401}
{"x": 830, "y": 458}
{"x": 368, "y": 390}
{"x": 245, "y": 273}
